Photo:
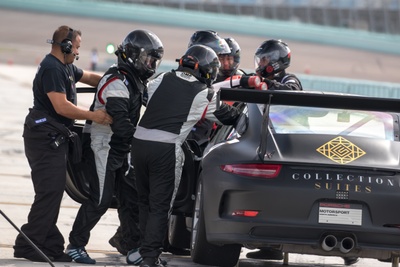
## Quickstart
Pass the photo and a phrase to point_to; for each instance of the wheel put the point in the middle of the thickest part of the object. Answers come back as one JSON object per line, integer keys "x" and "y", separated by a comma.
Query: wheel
{"x": 202, "y": 251}
{"x": 178, "y": 234}
{"x": 77, "y": 184}
{"x": 76, "y": 191}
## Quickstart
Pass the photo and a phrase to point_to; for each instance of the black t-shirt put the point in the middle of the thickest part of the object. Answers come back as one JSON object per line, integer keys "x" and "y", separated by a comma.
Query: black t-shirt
{"x": 54, "y": 76}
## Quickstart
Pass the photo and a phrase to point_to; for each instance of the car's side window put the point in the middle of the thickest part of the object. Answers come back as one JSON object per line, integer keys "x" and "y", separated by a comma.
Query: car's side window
{"x": 229, "y": 132}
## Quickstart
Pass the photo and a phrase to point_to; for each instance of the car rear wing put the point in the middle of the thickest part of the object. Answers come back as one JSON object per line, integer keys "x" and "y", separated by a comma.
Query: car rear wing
{"x": 311, "y": 99}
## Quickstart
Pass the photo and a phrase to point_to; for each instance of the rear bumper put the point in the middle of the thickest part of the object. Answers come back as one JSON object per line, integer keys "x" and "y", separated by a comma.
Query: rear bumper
{"x": 288, "y": 216}
{"x": 305, "y": 239}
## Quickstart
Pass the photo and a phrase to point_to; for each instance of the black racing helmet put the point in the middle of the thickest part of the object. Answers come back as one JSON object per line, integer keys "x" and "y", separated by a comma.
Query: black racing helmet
{"x": 272, "y": 57}
{"x": 235, "y": 53}
{"x": 211, "y": 39}
{"x": 142, "y": 51}
{"x": 202, "y": 61}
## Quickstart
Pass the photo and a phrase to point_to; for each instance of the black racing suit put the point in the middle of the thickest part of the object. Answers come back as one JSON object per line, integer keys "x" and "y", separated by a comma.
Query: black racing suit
{"x": 48, "y": 162}
{"x": 108, "y": 157}
{"x": 284, "y": 81}
{"x": 177, "y": 100}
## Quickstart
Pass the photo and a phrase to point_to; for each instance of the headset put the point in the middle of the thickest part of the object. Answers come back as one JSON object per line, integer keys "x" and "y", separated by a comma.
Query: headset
{"x": 66, "y": 44}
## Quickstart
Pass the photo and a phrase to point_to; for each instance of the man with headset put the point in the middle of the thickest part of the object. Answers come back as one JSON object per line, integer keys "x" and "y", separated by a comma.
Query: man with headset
{"x": 46, "y": 142}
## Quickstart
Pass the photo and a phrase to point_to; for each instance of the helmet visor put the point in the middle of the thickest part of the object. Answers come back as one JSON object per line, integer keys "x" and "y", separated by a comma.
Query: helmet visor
{"x": 220, "y": 46}
{"x": 265, "y": 58}
{"x": 228, "y": 64}
{"x": 150, "y": 61}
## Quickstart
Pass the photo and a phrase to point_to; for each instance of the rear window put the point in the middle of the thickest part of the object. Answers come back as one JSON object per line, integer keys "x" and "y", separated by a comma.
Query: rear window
{"x": 311, "y": 120}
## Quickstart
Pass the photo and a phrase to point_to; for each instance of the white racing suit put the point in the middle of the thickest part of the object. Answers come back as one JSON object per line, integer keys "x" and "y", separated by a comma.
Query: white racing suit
{"x": 107, "y": 151}
{"x": 177, "y": 100}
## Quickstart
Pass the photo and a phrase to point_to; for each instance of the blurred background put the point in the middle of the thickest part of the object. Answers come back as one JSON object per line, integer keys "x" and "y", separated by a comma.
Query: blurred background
{"x": 372, "y": 15}
{"x": 346, "y": 46}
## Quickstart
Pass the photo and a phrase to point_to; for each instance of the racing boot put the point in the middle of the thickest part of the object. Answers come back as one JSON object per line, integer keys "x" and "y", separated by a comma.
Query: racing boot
{"x": 153, "y": 262}
{"x": 117, "y": 242}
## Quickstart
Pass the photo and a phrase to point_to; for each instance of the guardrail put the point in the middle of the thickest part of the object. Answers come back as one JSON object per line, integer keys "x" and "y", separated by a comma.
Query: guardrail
{"x": 371, "y": 15}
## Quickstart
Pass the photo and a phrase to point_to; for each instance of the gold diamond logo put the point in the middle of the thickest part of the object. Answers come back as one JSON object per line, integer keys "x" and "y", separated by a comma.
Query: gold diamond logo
{"x": 341, "y": 150}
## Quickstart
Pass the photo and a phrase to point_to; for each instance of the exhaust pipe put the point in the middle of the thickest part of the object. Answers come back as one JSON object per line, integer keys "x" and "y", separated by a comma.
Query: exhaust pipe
{"x": 329, "y": 242}
{"x": 346, "y": 245}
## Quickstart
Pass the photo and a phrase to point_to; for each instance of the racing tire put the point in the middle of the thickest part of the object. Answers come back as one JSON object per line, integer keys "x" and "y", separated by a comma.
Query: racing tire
{"x": 203, "y": 252}
{"x": 77, "y": 187}
{"x": 75, "y": 192}
{"x": 178, "y": 234}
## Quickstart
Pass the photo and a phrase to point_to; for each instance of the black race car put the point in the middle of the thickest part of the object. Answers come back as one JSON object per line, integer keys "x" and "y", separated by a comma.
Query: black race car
{"x": 303, "y": 172}
{"x": 310, "y": 173}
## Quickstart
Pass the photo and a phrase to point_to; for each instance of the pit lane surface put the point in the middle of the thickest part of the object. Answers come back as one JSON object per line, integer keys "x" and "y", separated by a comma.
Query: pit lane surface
{"x": 25, "y": 39}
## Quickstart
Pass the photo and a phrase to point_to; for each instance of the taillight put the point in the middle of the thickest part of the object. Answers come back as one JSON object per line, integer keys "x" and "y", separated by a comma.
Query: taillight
{"x": 253, "y": 170}
{"x": 245, "y": 213}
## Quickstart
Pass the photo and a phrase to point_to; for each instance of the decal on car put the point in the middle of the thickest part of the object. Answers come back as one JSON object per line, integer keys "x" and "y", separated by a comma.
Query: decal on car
{"x": 337, "y": 213}
{"x": 341, "y": 150}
